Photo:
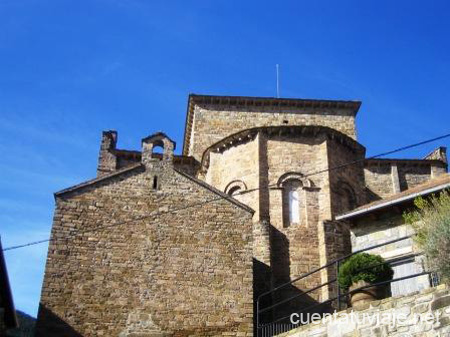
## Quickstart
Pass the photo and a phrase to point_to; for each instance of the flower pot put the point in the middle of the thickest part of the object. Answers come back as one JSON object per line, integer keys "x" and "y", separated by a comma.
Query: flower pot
{"x": 361, "y": 297}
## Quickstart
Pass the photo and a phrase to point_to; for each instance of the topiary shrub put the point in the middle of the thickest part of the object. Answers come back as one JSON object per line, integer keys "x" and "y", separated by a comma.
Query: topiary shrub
{"x": 358, "y": 267}
{"x": 431, "y": 222}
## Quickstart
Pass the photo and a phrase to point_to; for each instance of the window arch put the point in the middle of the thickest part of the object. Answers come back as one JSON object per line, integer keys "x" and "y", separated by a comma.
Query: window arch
{"x": 292, "y": 185}
{"x": 235, "y": 187}
{"x": 158, "y": 149}
{"x": 346, "y": 197}
{"x": 294, "y": 176}
{"x": 234, "y": 191}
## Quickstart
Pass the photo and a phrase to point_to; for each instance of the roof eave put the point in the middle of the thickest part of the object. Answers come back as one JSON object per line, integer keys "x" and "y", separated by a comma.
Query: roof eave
{"x": 216, "y": 191}
{"x": 400, "y": 200}
{"x": 97, "y": 180}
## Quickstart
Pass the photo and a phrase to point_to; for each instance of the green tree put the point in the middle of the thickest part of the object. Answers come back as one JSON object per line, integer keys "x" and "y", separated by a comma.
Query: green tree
{"x": 431, "y": 222}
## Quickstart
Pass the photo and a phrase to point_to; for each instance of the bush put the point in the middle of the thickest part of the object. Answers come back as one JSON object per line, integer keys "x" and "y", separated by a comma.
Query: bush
{"x": 358, "y": 267}
{"x": 431, "y": 222}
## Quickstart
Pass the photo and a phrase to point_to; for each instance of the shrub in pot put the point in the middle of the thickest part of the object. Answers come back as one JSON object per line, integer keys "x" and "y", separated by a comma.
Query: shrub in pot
{"x": 362, "y": 270}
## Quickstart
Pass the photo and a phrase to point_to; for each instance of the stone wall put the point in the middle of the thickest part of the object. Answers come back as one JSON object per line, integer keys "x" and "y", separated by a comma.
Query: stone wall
{"x": 237, "y": 164}
{"x": 295, "y": 246}
{"x": 212, "y": 122}
{"x": 411, "y": 176}
{"x": 385, "y": 177}
{"x": 418, "y": 315}
{"x": 112, "y": 159}
{"x": 262, "y": 160}
{"x": 346, "y": 181}
{"x": 334, "y": 243}
{"x": 129, "y": 257}
{"x": 107, "y": 161}
{"x": 384, "y": 227}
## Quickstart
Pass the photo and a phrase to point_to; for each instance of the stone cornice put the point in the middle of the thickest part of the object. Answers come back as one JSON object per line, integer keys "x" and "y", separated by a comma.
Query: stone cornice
{"x": 283, "y": 130}
{"x": 388, "y": 161}
{"x": 99, "y": 179}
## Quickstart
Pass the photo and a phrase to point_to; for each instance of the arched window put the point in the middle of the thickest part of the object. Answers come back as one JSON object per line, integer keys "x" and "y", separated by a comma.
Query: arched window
{"x": 346, "y": 197}
{"x": 235, "y": 188}
{"x": 292, "y": 185}
{"x": 158, "y": 149}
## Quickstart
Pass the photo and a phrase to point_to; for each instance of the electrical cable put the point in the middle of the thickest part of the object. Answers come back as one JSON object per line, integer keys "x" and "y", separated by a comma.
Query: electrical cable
{"x": 400, "y": 149}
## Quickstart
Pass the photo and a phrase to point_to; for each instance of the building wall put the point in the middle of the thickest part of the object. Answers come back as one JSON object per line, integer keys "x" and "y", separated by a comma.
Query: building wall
{"x": 385, "y": 177}
{"x": 346, "y": 181}
{"x": 237, "y": 164}
{"x": 378, "y": 178}
{"x": 302, "y": 155}
{"x": 384, "y": 227}
{"x": 334, "y": 243}
{"x": 411, "y": 176}
{"x": 165, "y": 274}
{"x": 295, "y": 247}
{"x": 150, "y": 265}
{"x": 261, "y": 163}
{"x": 215, "y": 122}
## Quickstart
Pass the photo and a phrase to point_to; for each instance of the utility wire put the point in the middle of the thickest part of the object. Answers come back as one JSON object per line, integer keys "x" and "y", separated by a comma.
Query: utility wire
{"x": 400, "y": 149}
{"x": 26, "y": 245}
{"x": 121, "y": 223}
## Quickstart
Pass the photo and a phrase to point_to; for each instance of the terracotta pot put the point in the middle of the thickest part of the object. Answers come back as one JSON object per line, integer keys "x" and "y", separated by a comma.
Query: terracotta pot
{"x": 367, "y": 295}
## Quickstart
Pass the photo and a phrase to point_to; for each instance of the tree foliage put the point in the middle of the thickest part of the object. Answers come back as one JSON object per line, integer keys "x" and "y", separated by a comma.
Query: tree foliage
{"x": 431, "y": 222}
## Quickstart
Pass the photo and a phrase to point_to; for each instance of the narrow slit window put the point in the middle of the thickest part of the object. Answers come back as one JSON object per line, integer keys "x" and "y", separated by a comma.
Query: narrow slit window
{"x": 155, "y": 182}
{"x": 294, "y": 211}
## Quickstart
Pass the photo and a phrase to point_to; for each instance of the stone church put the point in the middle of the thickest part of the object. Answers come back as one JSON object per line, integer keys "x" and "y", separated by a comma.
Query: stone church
{"x": 160, "y": 244}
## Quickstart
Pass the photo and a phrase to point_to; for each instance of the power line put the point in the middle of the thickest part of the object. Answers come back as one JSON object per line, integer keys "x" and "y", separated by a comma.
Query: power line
{"x": 400, "y": 149}
{"x": 120, "y": 223}
{"x": 26, "y": 245}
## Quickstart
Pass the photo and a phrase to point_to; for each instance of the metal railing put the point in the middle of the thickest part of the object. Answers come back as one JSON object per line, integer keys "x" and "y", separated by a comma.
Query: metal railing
{"x": 278, "y": 325}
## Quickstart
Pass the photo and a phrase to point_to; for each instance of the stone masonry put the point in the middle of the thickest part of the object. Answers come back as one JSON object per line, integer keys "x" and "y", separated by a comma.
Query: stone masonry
{"x": 148, "y": 251}
{"x": 279, "y": 171}
{"x": 423, "y": 314}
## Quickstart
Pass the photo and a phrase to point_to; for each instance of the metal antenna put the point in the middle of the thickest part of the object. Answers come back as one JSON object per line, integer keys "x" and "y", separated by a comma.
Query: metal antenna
{"x": 278, "y": 82}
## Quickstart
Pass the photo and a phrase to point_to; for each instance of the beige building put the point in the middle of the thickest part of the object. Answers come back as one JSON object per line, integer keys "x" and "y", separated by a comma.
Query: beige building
{"x": 382, "y": 221}
{"x": 178, "y": 245}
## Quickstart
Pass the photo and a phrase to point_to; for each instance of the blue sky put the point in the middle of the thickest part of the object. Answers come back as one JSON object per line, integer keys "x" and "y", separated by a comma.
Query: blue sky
{"x": 70, "y": 69}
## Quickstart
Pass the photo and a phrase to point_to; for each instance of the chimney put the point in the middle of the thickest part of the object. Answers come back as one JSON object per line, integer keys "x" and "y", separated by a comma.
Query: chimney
{"x": 440, "y": 167}
{"x": 438, "y": 154}
{"x": 107, "y": 161}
